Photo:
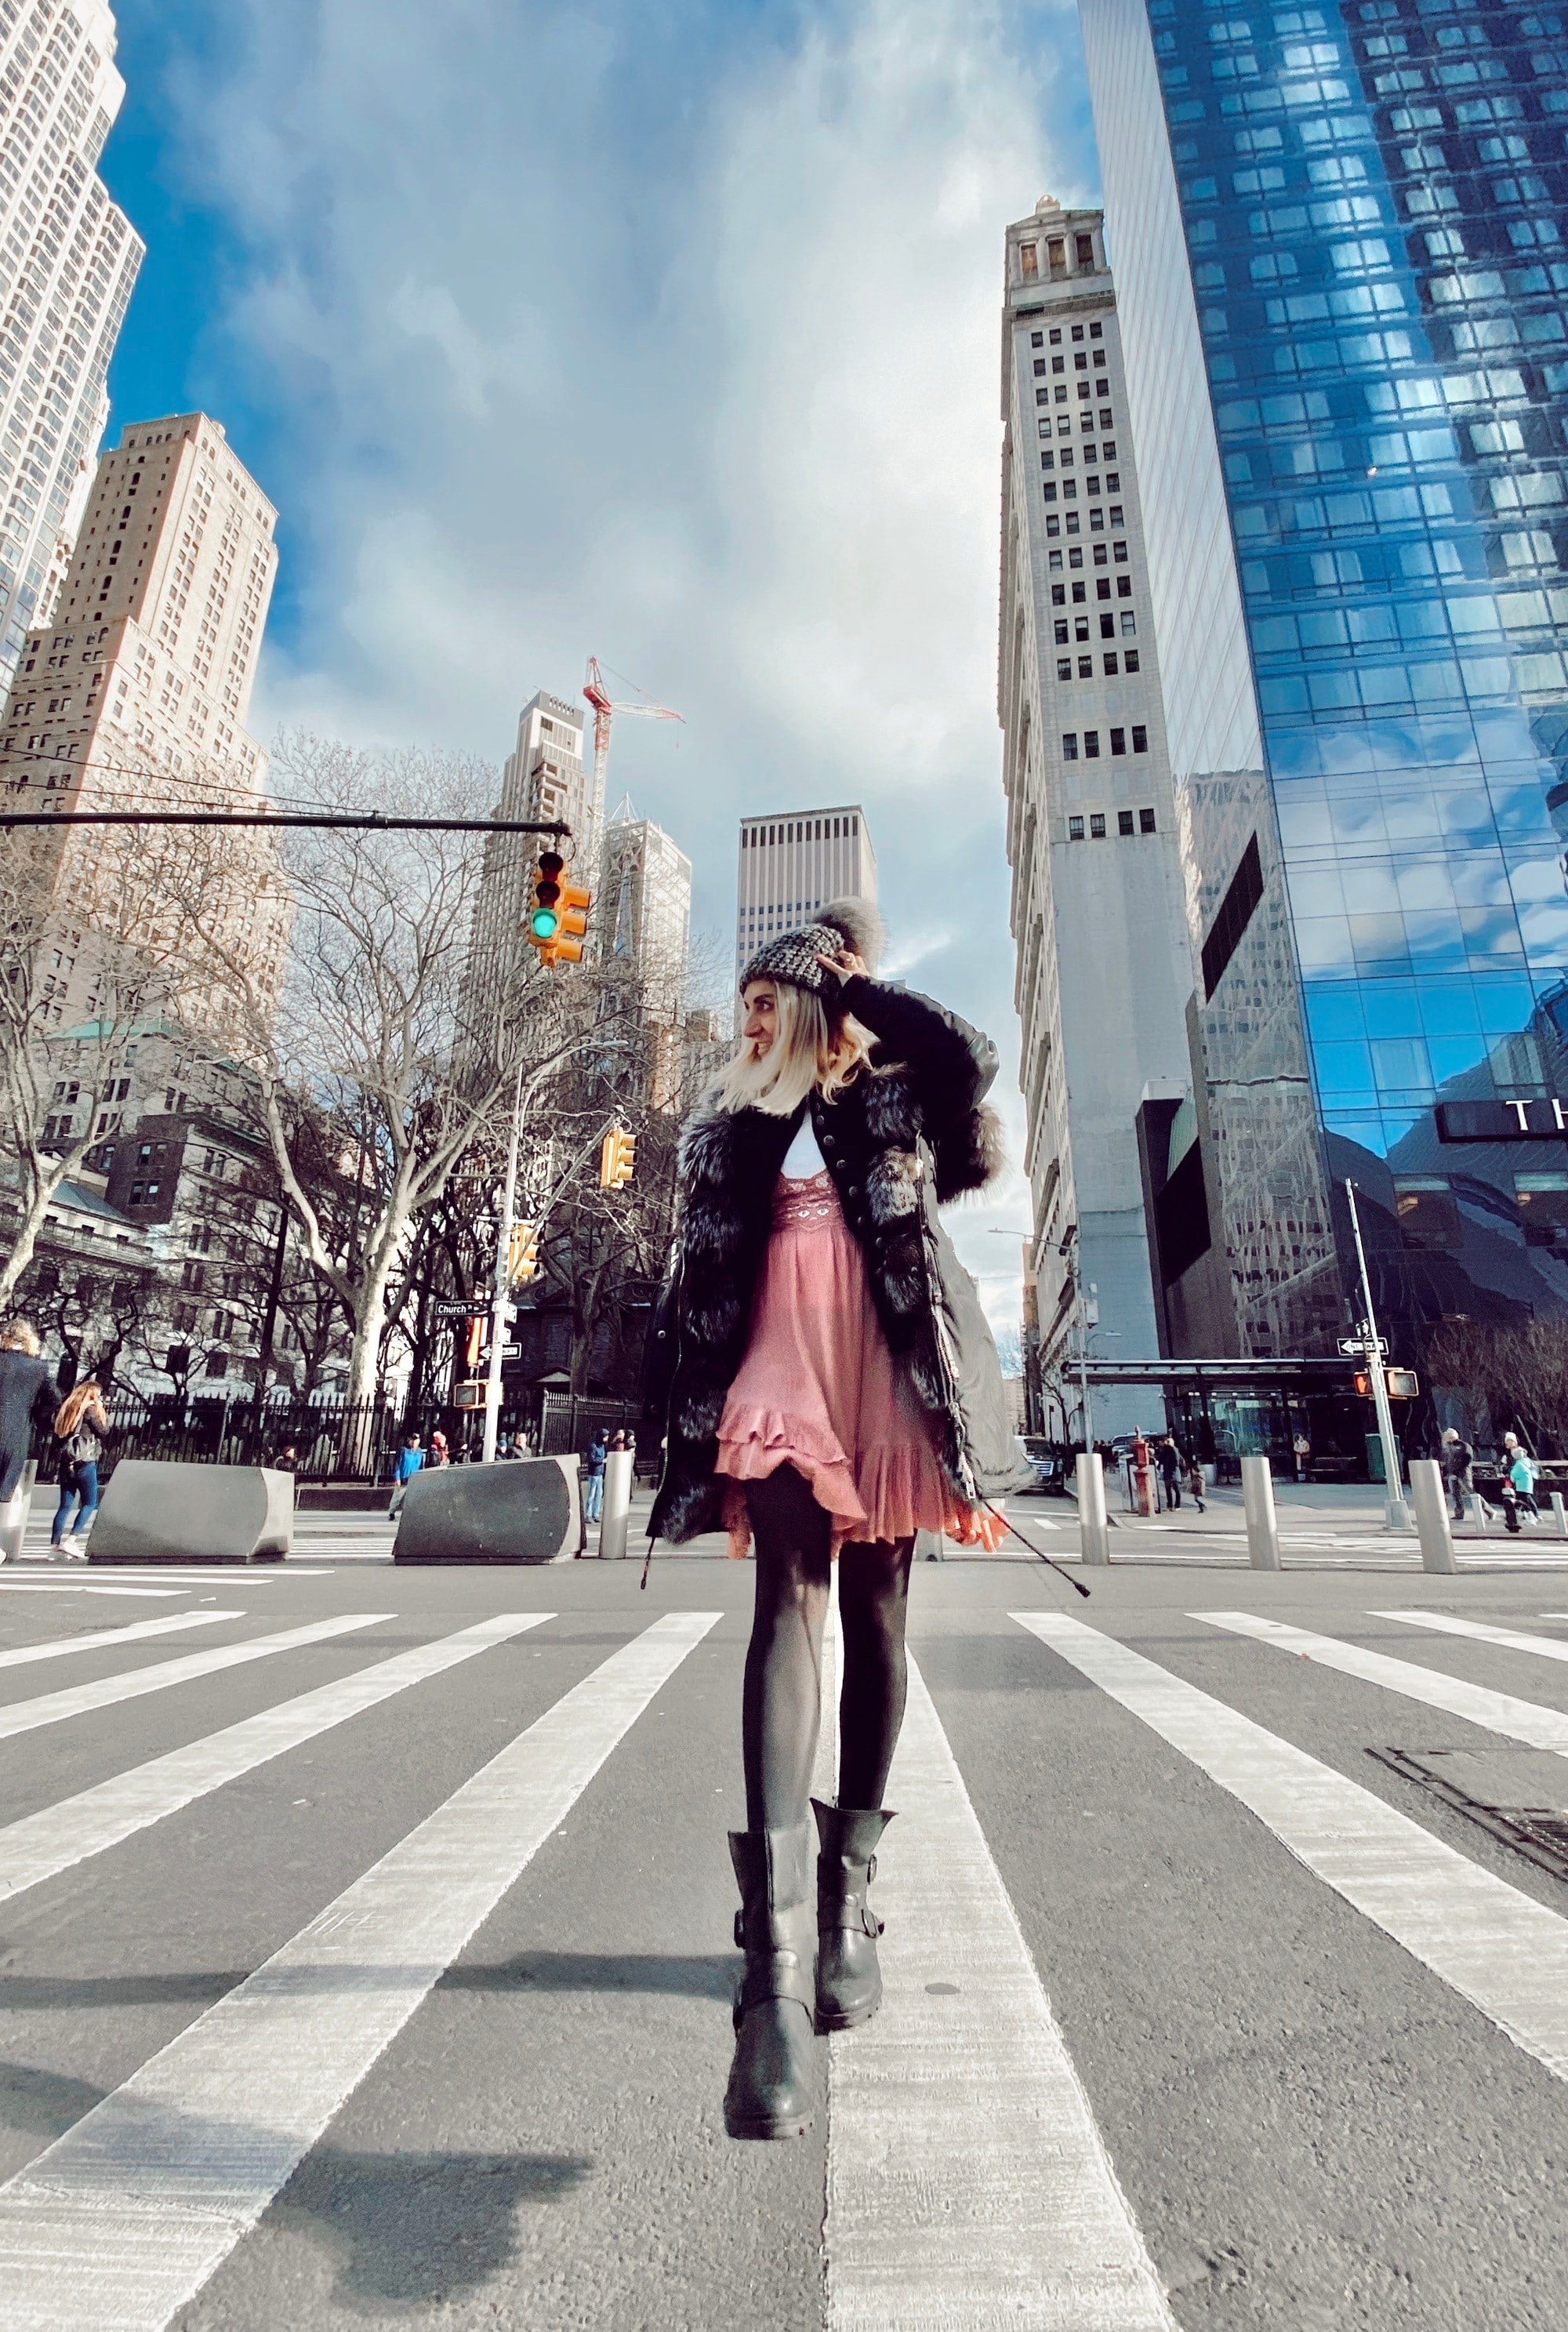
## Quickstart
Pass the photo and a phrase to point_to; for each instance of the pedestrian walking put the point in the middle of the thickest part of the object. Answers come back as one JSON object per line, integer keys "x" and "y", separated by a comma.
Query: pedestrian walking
{"x": 826, "y": 1385}
{"x": 27, "y": 1399}
{"x": 410, "y": 1460}
{"x": 1519, "y": 1470}
{"x": 1196, "y": 1482}
{"x": 1457, "y": 1459}
{"x": 1300, "y": 1449}
{"x": 509, "y": 1446}
{"x": 80, "y": 1423}
{"x": 440, "y": 1454}
{"x": 593, "y": 1477}
{"x": 1168, "y": 1458}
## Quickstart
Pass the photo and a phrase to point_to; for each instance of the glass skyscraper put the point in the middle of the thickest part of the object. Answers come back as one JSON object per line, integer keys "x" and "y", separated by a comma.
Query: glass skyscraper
{"x": 1339, "y": 236}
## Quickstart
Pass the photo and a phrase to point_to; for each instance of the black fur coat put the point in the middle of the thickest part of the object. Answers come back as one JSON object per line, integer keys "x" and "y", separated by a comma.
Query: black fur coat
{"x": 896, "y": 1144}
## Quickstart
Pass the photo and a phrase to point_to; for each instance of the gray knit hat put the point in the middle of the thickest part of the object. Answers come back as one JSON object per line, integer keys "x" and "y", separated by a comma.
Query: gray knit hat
{"x": 845, "y": 926}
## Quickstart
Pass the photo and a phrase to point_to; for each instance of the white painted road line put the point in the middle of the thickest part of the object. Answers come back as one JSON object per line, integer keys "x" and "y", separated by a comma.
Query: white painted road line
{"x": 1546, "y": 1648}
{"x": 21, "y": 1656}
{"x": 120, "y": 2221}
{"x": 80, "y": 1587}
{"x": 968, "y": 2186}
{"x": 1497, "y": 1712}
{"x": 76, "y": 1700}
{"x": 41, "y": 1845}
{"x": 1504, "y": 1952}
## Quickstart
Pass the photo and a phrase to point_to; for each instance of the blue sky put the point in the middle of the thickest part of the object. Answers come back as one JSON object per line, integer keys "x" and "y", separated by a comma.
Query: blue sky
{"x": 668, "y": 335}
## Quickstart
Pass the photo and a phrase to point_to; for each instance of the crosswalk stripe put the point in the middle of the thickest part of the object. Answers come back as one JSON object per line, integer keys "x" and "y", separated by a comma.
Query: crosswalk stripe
{"x": 83, "y": 1587}
{"x": 21, "y": 1656}
{"x": 76, "y": 1700}
{"x": 124, "y": 2218}
{"x": 1512, "y": 1640}
{"x": 40, "y": 1845}
{"x": 1504, "y": 1952}
{"x": 968, "y": 2188}
{"x": 1497, "y": 1712}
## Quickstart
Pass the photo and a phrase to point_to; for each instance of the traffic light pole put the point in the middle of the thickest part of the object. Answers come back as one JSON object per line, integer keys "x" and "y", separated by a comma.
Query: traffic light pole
{"x": 1396, "y": 1513}
{"x": 502, "y": 1280}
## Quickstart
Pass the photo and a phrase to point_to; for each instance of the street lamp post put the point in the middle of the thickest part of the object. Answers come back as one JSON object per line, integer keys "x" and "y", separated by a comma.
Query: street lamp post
{"x": 1396, "y": 1513}
{"x": 499, "y": 1301}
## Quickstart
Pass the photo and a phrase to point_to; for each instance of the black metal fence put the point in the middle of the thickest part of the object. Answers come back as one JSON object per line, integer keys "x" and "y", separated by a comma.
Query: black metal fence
{"x": 321, "y": 1439}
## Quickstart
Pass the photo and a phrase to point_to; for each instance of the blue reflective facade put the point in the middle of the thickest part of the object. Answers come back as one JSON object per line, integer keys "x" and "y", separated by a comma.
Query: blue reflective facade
{"x": 1370, "y": 201}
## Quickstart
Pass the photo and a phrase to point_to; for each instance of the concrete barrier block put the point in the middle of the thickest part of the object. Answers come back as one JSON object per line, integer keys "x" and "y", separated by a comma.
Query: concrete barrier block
{"x": 157, "y": 1510}
{"x": 526, "y": 1510}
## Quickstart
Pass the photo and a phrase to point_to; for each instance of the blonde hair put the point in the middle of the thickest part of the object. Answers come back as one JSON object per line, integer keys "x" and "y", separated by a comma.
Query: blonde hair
{"x": 79, "y": 1399}
{"x": 812, "y": 1050}
{"x": 20, "y": 1336}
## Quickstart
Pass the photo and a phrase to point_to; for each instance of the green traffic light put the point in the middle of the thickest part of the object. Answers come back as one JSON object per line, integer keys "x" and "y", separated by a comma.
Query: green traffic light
{"x": 542, "y": 923}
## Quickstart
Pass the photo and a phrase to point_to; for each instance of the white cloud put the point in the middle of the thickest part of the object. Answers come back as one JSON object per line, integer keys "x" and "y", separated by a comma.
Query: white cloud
{"x": 674, "y": 338}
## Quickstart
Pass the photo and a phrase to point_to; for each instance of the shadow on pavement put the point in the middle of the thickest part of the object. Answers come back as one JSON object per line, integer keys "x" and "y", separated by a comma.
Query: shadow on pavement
{"x": 709, "y": 1977}
{"x": 409, "y": 2228}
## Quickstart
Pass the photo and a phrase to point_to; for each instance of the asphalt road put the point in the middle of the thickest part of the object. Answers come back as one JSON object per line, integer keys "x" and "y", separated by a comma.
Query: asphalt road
{"x": 381, "y": 1977}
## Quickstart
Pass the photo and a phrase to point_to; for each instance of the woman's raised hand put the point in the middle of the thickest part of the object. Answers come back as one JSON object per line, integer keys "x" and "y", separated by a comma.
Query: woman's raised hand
{"x": 848, "y": 964}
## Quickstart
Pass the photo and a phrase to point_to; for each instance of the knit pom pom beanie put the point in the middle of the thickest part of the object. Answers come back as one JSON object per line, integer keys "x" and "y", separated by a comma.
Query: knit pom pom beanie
{"x": 844, "y": 927}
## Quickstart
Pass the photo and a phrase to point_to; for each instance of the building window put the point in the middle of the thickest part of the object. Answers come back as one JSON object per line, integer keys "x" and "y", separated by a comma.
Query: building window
{"x": 1107, "y": 627}
{"x": 1029, "y": 254}
{"x": 1061, "y": 629}
{"x": 1069, "y": 746}
{"x": 1072, "y": 521}
{"x": 1124, "y": 821}
{"x": 1063, "y": 667}
{"x": 1039, "y": 365}
{"x": 1427, "y": 1213}
{"x": 1054, "y": 526}
{"x": 1119, "y": 553}
{"x": 1075, "y": 830}
{"x": 1075, "y": 559}
{"x": 1055, "y": 562}
{"x": 1124, "y": 583}
{"x": 1110, "y": 667}
{"x": 1036, "y": 339}
{"x": 1118, "y": 741}
{"x": 1058, "y": 590}
{"x": 1086, "y": 670}
{"x": 1085, "y": 245}
{"x": 1048, "y": 491}
{"x": 1139, "y": 737}
{"x": 1116, "y": 517}
{"x": 1145, "y": 821}
{"x": 1057, "y": 337}
{"x": 1059, "y": 364}
{"x": 1130, "y": 661}
{"x": 1544, "y": 1210}
{"x": 1096, "y": 825}
{"x": 1091, "y": 744}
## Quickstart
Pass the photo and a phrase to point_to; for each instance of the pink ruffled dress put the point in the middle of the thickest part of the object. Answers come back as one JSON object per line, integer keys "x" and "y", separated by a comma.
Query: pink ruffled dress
{"x": 818, "y": 1390}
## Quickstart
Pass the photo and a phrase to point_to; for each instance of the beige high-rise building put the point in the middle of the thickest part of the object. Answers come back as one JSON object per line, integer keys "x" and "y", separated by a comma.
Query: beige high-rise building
{"x": 543, "y": 778}
{"x": 644, "y": 918}
{"x": 68, "y": 260}
{"x": 136, "y": 694}
{"x": 792, "y": 864}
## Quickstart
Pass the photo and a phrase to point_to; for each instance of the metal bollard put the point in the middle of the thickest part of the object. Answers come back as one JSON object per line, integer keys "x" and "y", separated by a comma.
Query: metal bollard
{"x": 1432, "y": 1516}
{"x": 1093, "y": 1531}
{"x": 618, "y": 1506}
{"x": 1559, "y": 1515}
{"x": 1262, "y": 1522}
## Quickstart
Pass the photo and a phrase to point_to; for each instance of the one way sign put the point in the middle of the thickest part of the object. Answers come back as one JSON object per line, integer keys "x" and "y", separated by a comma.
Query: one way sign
{"x": 1358, "y": 1348}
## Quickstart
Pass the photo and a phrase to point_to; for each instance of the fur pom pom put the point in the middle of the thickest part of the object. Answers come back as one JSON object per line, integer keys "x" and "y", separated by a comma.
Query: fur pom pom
{"x": 861, "y": 926}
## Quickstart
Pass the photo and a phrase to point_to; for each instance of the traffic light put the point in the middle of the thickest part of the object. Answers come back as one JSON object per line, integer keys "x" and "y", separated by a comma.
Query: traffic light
{"x": 478, "y": 1336}
{"x": 571, "y": 923}
{"x": 544, "y": 910}
{"x": 522, "y": 1254}
{"x": 617, "y": 1159}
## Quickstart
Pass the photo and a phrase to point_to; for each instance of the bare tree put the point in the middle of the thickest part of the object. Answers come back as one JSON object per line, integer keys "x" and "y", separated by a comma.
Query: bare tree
{"x": 97, "y": 940}
{"x": 1517, "y": 1373}
{"x": 385, "y": 1051}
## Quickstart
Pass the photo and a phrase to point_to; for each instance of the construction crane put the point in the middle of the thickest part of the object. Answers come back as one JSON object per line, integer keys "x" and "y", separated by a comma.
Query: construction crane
{"x": 604, "y": 710}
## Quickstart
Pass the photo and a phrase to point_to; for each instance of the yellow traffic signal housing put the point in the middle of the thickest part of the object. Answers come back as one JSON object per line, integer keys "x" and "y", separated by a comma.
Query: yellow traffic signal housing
{"x": 617, "y": 1159}
{"x": 571, "y": 923}
{"x": 522, "y": 1254}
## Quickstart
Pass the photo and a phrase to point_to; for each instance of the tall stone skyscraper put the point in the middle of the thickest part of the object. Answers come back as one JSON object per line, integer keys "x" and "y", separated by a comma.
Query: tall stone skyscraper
{"x": 1342, "y": 258}
{"x": 544, "y": 777}
{"x": 136, "y": 694}
{"x": 1104, "y": 958}
{"x": 644, "y": 915}
{"x": 794, "y": 862}
{"x": 68, "y": 260}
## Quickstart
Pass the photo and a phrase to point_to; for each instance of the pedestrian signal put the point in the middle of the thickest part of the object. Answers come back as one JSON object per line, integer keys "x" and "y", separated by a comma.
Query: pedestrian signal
{"x": 544, "y": 911}
{"x": 617, "y": 1159}
{"x": 571, "y": 923}
{"x": 522, "y": 1254}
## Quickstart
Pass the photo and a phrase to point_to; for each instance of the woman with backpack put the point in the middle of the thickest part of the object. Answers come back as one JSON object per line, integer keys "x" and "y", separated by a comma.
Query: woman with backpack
{"x": 80, "y": 1424}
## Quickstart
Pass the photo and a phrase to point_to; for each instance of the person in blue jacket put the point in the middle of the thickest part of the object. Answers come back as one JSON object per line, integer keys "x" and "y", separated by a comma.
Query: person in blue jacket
{"x": 410, "y": 1458}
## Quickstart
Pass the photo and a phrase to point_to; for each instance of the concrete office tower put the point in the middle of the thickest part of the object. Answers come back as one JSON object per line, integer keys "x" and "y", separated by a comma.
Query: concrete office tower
{"x": 792, "y": 864}
{"x": 1340, "y": 242}
{"x": 645, "y": 921}
{"x": 68, "y": 259}
{"x": 544, "y": 777}
{"x": 137, "y": 695}
{"x": 1104, "y": 964}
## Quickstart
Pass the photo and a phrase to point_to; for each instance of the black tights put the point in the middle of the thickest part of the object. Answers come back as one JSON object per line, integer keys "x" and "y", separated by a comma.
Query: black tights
{"x": 782, "y": 1696}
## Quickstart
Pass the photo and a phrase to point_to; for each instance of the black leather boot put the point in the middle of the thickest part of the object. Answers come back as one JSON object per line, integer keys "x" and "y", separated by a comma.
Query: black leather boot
{"x": 849, "y": 1979}
{"x": 772, "y": 2084}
